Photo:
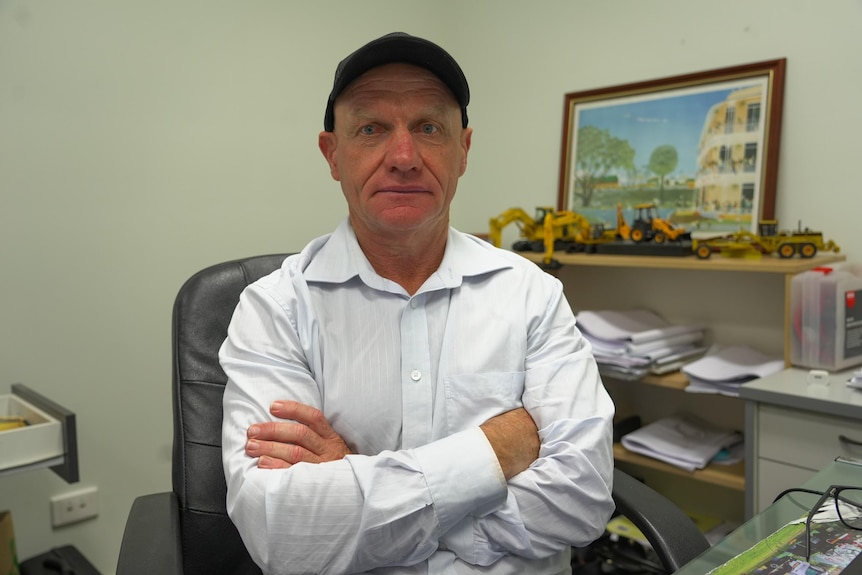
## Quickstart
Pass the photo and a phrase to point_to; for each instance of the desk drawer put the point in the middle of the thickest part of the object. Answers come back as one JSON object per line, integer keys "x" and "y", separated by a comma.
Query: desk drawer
{"x": 773, "y": 478}
{"x": 803, "y": 438}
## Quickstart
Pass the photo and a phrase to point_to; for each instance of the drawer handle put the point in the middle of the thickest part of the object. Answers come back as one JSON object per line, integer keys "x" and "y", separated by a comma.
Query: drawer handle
{"x": 847, "y": 440}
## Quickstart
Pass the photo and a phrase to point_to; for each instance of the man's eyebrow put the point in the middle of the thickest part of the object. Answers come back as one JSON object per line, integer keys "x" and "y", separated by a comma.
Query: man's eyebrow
{"x": 439, "y": 109}
{"x": 361, "y": 113}
{"x": 365, "y": 115}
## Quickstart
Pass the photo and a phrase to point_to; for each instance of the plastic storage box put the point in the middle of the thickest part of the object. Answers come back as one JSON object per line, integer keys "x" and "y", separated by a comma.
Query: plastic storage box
{"x": 826, "y": 316}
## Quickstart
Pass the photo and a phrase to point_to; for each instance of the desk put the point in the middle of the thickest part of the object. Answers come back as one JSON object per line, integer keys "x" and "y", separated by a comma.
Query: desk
{"x": 786, "y": 509}
{"x": 793, "y": 429}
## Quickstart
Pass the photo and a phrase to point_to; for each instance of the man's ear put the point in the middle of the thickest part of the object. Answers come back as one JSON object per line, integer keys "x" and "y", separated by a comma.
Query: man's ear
{"x": 466, "y": 141}
{"x": 327, "y": 142}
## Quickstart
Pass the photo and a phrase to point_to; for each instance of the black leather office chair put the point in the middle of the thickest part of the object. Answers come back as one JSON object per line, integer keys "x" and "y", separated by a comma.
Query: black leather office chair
{"x": 188, "y": 531}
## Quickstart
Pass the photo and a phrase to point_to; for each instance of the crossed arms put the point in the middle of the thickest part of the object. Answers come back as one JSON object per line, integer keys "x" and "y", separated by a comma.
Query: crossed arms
{"x": 312, "y": 489}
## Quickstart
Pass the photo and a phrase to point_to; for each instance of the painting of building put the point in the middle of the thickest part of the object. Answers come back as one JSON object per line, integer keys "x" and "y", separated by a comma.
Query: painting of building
{"x": 727, "y": 179}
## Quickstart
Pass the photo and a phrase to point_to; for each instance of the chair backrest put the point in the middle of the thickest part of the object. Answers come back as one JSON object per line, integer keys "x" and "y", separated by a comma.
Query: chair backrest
{"x": 202, "y": 311}
{"x": 210, "y": 543}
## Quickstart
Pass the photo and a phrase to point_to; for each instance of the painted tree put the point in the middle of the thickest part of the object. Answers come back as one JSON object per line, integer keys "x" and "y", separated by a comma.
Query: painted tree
{"x": 598, "y": 154}
{"x": 663, "y": 161}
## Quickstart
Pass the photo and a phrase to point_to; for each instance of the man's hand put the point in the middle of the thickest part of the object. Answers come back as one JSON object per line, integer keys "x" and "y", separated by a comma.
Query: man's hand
{"x": 515, "y": 440}
{"x": 309, "y": 437}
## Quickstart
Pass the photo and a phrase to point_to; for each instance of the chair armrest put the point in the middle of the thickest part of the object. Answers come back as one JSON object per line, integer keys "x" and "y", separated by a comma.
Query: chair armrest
{"x": 151, "y": 540}
{"x": 673, "y": 535}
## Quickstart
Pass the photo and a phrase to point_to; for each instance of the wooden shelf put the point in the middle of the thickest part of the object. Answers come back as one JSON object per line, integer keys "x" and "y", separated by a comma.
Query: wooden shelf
{"x": 729, "y": 476}
{"x": 672, "y": 380}
{"x": 784, "y": 268}
{"x": 765, "y": 264}
{"x": 719, "y": 489}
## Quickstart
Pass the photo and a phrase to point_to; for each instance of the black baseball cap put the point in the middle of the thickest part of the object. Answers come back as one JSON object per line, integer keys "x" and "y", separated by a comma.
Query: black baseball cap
{"x": 399, "y": 47}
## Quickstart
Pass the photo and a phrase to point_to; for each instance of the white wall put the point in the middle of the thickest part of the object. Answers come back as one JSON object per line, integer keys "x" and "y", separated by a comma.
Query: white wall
{"x": 523, "y": 57}
{"x": 142, "y": 141}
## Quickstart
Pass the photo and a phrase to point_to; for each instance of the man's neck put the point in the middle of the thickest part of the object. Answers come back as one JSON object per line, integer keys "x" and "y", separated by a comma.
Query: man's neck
{"x": 408, "y": 259}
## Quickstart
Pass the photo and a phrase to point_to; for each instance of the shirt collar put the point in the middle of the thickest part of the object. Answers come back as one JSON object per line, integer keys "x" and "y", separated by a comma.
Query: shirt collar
{"x": 465, "y": 256}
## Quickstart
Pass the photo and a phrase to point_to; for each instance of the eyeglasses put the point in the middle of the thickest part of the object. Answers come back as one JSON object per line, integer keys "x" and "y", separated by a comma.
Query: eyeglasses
{"x": 848, "y": 508}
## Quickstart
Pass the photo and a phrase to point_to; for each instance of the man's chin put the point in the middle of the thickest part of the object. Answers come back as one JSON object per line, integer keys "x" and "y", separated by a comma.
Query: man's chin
{"x": 407, "y": 222}
{"x": 405, "y": 217}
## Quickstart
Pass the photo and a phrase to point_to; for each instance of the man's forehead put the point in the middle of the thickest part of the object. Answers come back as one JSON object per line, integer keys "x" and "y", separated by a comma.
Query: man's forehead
{"x": 397, "y": 77}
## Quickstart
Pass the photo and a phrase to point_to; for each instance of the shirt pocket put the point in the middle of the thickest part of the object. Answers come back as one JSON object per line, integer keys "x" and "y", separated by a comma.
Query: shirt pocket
{"x": 473, "y": 399}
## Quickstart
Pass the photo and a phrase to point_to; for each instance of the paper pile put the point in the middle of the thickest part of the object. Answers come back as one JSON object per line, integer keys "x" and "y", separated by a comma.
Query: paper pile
{"x": 682, "y": 440}
{"x": 724, "y": 370}
{"x": 855, "y": 380}
{"x": 630, "y": 344}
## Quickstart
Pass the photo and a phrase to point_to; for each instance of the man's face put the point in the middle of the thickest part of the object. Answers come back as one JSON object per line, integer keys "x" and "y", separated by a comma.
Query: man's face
{"x": 398, "y": 149}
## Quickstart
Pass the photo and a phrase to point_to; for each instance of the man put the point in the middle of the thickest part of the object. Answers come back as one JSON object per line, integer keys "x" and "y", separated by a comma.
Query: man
{"x": 404, "y": 398}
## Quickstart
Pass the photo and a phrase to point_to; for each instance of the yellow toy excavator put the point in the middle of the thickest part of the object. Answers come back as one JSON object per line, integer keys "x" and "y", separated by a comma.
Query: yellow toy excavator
{"x": 624, "y": 232}
{"x": 532, "y": 229}
{"x": 648, "y": 226}
{"x": 548, "y": 231}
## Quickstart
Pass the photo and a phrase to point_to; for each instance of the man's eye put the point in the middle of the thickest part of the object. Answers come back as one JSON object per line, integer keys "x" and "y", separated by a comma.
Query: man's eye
{"x": 429, "y": 128}
{"x": 367, "y": 130}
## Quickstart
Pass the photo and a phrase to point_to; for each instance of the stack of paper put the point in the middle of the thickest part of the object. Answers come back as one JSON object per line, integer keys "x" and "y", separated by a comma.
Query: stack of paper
{"x": 855, "y": 380}
{"x": 724, "y": 370}
{"x": 630, "y": 344}
{"x": 681, "y": 440}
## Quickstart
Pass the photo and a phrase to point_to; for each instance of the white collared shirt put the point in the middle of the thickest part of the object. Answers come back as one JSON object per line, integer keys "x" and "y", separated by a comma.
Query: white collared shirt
{"x": 406, "y": 381}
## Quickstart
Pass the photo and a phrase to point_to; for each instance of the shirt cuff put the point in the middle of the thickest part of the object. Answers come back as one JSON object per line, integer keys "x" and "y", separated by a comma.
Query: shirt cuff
{"x": 474, "y": 485}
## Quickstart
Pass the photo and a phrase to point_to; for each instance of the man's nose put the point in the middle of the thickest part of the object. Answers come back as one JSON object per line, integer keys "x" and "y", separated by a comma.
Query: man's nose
{"x": 403, "y": 154}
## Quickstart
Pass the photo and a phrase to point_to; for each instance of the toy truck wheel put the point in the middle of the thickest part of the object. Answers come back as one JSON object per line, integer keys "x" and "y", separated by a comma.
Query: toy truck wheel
{"x": 703, "y": 252}
{"x": 522, "y": 246}
{"x": 637, "y": 235}
{"x": 786, "y": 250}
{"x": 807, "y": 250}
{"x": 659, "y": 238}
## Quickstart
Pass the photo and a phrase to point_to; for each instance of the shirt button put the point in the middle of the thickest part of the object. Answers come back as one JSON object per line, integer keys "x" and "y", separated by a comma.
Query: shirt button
{"x": 415, "y": 375}
{"x": 413, "y": 303}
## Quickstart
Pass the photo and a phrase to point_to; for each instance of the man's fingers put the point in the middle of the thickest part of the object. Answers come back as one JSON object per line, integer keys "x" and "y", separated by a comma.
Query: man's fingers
{"x": 267, "y": 462}
{"x": 305, "y": 436}
{"x": 285, "y": 432}
{"x": 274, "y": 455}
{"x": 305, "y": 414}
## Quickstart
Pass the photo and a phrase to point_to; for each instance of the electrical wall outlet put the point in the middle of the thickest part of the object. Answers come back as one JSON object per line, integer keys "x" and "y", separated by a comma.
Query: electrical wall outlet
{"x": 74, "y": 506}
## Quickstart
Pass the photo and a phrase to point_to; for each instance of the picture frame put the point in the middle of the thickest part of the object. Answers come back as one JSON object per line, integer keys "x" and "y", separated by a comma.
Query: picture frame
{"x": 702, "y": 146}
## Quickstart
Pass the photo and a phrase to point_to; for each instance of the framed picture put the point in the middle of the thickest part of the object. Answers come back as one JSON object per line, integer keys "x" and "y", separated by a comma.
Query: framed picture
{"x": 702, "y": 147}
